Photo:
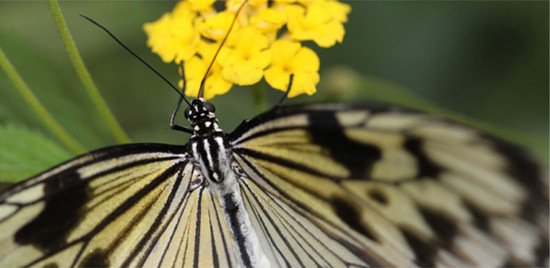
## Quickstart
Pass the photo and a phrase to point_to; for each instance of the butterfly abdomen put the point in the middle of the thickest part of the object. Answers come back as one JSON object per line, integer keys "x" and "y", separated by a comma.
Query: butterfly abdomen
{"x": 213, "y": 154}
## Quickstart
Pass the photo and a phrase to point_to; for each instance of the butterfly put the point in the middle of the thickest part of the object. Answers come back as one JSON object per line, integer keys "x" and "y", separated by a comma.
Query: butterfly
{"x": 329, "y": 185}
{"x": 325, "y": 185}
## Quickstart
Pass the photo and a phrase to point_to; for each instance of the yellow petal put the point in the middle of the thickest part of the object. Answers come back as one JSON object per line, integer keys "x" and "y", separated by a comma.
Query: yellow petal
{"x": 172, "y": 38}
{"x": 243, "y": 75}
{"x": 248, "y": 39}
{"x": 216, "y": 85}
{"x": 233, "y": 5}
{"x": 306, "y": 60}
{"x": 268, "y": 20}
{"x": 216, "y": 27}
{"x": 304, "y": 83}
{"x": 332, "y": 33}
{"x": 320, "y": 22}
{"x": 339, "y": 11}
{"x": 277, "y": 78}
{"x": 261, "y": 60}
{"x": 183, "y": 9}
{"x": 282, "y": 51}
{"x": 201, "y": 5}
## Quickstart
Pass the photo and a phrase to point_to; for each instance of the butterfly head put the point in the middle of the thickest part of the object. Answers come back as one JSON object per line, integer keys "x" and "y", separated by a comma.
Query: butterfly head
{"x": 202, "y": 117}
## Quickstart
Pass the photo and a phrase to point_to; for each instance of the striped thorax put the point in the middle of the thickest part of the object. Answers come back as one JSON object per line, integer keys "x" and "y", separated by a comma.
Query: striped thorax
{"x": 208, "y": 141}
{"x": 211, "y": 149}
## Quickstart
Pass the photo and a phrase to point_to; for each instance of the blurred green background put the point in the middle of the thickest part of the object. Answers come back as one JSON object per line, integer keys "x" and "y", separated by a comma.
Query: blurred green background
{"x": 485, "y": 60}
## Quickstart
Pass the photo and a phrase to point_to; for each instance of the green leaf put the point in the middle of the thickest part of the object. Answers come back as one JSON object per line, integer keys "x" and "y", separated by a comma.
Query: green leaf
{"x": 85, "y": 76}
{"x": 56, "y": 87}
{"x": 25, "y": 153}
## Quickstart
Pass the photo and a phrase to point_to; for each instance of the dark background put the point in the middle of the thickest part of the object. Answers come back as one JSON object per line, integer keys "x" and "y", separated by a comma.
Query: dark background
{"x": 486, "y": 60}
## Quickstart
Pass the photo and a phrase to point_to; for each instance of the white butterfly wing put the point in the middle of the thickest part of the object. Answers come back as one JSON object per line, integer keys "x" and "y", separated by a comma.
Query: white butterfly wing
{"x": 325, "y": 185}
{"x": 124, "y": 206}
{"x": 389, "y": 187}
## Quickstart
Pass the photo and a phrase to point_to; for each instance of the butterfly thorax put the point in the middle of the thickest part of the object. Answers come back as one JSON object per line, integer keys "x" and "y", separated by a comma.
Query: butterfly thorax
{"x": 202, "y": 118}
{"x": 208, "y": 143}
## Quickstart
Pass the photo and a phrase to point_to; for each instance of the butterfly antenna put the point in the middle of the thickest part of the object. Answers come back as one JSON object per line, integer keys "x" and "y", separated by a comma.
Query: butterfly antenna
{"x": 201, "y": 88}
{"x": 136, "y": 55}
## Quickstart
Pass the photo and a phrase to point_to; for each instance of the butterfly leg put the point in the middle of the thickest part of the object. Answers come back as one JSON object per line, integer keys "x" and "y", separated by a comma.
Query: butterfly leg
{"x": 290, "y": 80}
{"x": 173, "y": 124}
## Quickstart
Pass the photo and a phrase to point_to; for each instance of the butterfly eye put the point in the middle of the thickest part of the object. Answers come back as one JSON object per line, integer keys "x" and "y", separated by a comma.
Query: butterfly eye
{"x": 187, "y": 113}
{"x": 210, "y": 107}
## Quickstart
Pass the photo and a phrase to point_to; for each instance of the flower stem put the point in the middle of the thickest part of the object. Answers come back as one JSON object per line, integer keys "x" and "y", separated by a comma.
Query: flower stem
{"x": 85, "y": 77}
{"x": 37, "y": 107}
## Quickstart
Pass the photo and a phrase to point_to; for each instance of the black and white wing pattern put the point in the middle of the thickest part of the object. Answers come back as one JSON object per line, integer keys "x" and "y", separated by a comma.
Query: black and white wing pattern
{"x": 321, "y": 185}
{"x": 125, "y": 206}
{"x": 340, "y": 185}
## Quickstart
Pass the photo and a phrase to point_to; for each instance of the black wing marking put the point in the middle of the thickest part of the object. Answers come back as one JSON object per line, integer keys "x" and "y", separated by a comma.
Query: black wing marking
{"x": 398, "y": 182}
{"x": 123, "y": 206}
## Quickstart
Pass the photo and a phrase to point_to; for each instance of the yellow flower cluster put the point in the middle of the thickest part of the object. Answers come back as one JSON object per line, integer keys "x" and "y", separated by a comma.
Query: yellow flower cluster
{"x": 264, "y": 43}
